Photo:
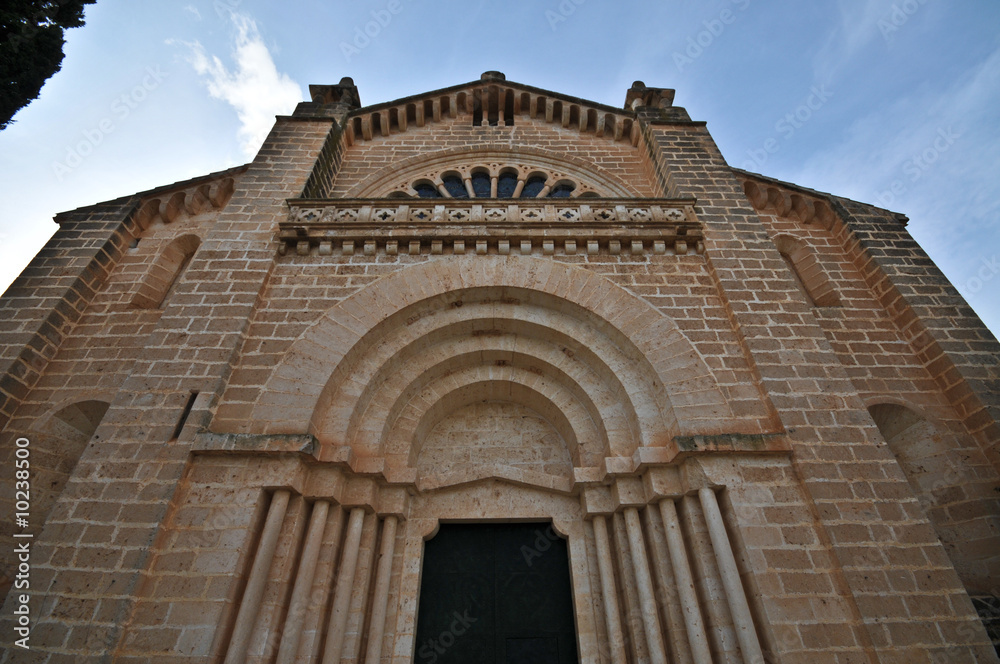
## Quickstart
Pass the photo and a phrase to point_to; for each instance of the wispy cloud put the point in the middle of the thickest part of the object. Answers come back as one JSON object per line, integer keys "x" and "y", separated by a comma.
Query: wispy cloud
{"x": 931, "y": 155}
{"x": 254, "y": 88}
{"x": 893, "y": 135}
{"x": 191, "y": 9}
{"x": 857, "y": 27}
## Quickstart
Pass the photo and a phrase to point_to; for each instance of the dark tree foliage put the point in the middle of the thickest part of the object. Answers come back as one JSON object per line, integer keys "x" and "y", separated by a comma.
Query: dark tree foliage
{"x": 31, "y": 47}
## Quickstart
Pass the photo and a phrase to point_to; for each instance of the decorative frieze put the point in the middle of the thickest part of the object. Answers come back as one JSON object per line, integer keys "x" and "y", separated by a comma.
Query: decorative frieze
{"x": 416, "y": 226}
{"x": 167, "y": 206}
{"x": 777, "y": 198}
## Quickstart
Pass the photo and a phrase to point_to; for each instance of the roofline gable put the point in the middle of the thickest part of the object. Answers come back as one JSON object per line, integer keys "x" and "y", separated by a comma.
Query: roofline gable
{"x": 493, "y": 101}
{"x": 487, "y": 81}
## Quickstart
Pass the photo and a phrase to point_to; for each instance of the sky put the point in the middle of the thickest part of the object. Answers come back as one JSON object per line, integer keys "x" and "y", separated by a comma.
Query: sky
{"x": 890, "y": 102}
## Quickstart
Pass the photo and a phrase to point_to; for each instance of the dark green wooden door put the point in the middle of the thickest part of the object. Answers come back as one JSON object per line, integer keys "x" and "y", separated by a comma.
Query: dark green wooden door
{"x": 495, "y": 594}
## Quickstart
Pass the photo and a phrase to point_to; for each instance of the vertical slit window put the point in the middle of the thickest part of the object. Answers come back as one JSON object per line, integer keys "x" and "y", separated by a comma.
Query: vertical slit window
{"x": 184, "y": 416}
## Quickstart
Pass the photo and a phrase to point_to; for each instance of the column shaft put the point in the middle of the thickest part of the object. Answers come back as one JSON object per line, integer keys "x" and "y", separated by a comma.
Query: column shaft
{"x": 380, "y": 598}
{"x": 697, "y": 637}
{"x": 742, "y": 618}
{"x": 345, "y": 586}
{"x": 297, "y": 606}
{"x": 616, "y": 641}
{"x": 247, "y": 615}
{"x": 650, "y": 616}
{"x": 312, "y": 631}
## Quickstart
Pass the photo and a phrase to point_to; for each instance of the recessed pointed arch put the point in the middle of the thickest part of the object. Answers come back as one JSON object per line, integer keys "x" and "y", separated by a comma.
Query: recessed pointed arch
{"x": 59, "y": 438}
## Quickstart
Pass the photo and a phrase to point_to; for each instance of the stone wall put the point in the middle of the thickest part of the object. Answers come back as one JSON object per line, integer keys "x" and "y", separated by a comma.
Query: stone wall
{"x": 760, "y": 420}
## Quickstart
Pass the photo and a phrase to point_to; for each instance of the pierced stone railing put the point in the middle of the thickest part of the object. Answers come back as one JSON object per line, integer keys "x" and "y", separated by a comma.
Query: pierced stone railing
{"x": 502, "y": 226}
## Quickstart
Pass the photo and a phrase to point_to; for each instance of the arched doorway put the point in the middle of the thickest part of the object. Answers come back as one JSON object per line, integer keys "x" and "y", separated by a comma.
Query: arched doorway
{"x": 493, "y": 593}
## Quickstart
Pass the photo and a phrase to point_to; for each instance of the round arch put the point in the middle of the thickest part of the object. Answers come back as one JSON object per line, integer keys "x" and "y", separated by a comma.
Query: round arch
{"x": 388, "y": 179}
{"x": 614, "y": 364}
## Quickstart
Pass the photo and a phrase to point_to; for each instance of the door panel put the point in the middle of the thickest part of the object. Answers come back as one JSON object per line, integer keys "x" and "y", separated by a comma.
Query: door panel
{"x": 496, "y": 594}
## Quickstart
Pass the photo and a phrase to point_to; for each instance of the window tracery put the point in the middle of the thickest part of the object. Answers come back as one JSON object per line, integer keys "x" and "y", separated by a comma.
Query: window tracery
{"x": 496, "y": 181}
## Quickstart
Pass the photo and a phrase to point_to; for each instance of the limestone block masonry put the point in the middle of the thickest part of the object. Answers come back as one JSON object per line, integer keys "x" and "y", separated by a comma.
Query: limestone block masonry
{"x": 757, "y": 420}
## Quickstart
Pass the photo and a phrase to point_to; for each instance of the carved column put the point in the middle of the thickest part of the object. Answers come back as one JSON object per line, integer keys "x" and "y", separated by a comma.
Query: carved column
{"x": 294, "y": 621}
{"x": 381, "y": 595}
{"x": 612, "y": 618}
{"x": 745, "y": 631}
{"x": 345, "y": 586}
{"x": 697, "y": 637}
{"x": 247, "y": 615}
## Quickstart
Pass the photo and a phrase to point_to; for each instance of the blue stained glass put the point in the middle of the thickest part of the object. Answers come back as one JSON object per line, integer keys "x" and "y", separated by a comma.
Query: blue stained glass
{"x": 481, "y": 185}
{"x": 562, "y": 191}
{"x": 533, "y": 187}
{"x": 427, "y": 191}
{"x": 506, "y": 185}
{"x": 455, "y": 187}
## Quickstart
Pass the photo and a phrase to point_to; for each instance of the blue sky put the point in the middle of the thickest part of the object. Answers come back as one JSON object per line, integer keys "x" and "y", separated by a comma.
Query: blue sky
{"x": 905, "y": 95}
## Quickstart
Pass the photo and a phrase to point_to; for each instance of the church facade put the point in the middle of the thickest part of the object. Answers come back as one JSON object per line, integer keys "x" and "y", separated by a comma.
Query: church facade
{"x": 495, "y": 374}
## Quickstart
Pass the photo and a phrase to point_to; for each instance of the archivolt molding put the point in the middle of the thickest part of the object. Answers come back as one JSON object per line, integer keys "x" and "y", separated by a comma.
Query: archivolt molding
{"x": 403, "y": 404}
{"x": 514, "y": 337}
{"x": 600, "y": 399}
{"x": 398, "y": 179}
{"x": 376, "y": 371}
